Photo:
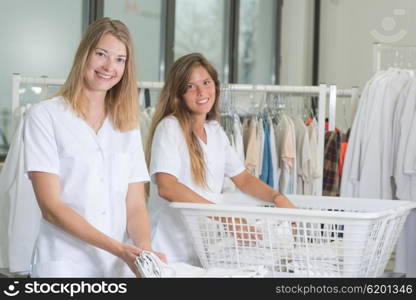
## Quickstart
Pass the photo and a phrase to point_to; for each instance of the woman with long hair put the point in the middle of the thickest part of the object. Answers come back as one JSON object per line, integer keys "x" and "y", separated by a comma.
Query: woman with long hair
{"x": 84, "y": 156}
{"x": 189, "y": 154}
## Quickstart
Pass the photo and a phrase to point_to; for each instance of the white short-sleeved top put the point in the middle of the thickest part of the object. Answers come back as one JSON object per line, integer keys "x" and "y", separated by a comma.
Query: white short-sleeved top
{"x": 94, "y": 171}
{"x": 169, "y": 154}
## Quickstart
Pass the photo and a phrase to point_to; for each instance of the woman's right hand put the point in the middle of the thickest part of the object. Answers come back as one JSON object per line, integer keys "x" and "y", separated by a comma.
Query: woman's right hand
{"x": 129, "y": 254}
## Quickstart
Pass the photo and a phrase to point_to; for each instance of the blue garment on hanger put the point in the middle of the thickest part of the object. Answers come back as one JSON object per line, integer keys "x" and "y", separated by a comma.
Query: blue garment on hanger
{"x": 267, "y": 166}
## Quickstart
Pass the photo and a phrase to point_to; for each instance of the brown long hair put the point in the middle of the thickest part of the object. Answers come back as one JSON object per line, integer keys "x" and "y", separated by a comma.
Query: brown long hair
{"x": 171, "y": 103}
{"x": 121, "y": 100}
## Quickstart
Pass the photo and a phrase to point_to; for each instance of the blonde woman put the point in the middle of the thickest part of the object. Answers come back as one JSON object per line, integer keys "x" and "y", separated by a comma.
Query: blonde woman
{"x": 189, "y": 155}
{"x": 84, "y": 156}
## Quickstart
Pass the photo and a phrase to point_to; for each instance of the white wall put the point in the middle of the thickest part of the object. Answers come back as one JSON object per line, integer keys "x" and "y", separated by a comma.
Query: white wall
{"x": 37, "y": 38}
{"x": 297, "y": 42}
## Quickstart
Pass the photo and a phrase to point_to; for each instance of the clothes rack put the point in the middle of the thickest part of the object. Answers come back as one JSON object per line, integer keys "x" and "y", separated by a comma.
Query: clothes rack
{"x": 321, "y": 92}
{"x": 335, "y": 93}
{"x": 401, "y": 57}
{"x": 22, "y": 260}
{"x": 17, "y": 80}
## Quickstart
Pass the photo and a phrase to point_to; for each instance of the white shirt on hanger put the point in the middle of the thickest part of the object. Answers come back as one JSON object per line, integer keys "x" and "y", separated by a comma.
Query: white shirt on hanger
{"x": 238, "y": 138}
{"x": 252, "y": 153}
{"x": 260, "y": 142}
{"x": 312, "y": 187}
{"x": 398, "y": 83}
{"x": 18, "y": 207}
{"x": 350, "y": 182}
{"x": 405, "y": 114}
{"x": 170, "y": 155}
{"x": 377, "y": 150}
{"x": 94, "y": 171}
{"x": 145, "y": 122}
{"x": 370, "y": 165}
{"x": 286, "y": 144}
{"x": 405, "y": 181}
{"x": 409, "y": 163}
{"x": 303, "y": 155}
{"x": 410, "y": 156}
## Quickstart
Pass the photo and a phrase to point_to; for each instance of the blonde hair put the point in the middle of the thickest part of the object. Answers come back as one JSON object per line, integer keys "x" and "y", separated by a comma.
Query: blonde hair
{"x": 121, "y": 101}
{"x": 171, "y": 103}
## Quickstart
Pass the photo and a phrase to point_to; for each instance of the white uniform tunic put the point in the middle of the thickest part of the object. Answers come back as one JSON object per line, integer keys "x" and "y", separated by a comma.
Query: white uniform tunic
{"x": 170, "y": 155}
{"x": 94, "y": 172}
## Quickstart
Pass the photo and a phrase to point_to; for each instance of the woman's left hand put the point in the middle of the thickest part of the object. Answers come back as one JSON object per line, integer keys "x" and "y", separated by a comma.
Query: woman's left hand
{"x": 282, "y": 201}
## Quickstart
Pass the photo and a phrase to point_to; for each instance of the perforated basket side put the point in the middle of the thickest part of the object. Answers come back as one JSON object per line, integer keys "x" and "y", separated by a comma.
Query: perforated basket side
{"x": 288, "y": 246}
{"x": 295, "y": 243}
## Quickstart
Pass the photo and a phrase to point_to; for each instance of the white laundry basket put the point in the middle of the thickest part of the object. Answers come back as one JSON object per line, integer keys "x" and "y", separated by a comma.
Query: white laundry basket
{"x": 323, "y": 237}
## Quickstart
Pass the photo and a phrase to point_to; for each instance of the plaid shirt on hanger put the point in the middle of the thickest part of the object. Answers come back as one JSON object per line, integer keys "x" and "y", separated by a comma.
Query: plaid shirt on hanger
{"x": 331, "y": 158}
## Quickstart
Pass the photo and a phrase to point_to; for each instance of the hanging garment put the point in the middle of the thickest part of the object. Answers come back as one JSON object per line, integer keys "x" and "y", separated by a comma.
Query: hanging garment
{"x": 252, "y": 154}
{"x": 351, "y": 171}
{"x": 227, "y": 123}
{"x": 404, "y": 179}
{"x": 410, "y": 153}
{"x": 146, "y": 117}
{"x": 260, "y": 142}
{"x": 303, "y": 155}
{"x": 312, "y": 186}
{"x": 374, "y": 165}
{"x": 286, "y": 144}
{"x": 369, "y": 159}
{"x": 238, "y": 137}
{"x": 229, "y": 186}
{"x": 274, "y": 155}
{"x": 246, "y": 129}
{"x": 19, "y": 212}
{"x": 403, "y": 121}
{"x": 377, "y": 159}
{"x": 267, "y": 167}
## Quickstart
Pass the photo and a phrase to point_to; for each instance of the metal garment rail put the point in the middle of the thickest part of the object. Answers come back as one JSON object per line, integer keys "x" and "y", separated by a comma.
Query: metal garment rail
{"x": 17, "y": 79}
{"x": 334, "y": 94}
{"x": 322, "y": 91}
